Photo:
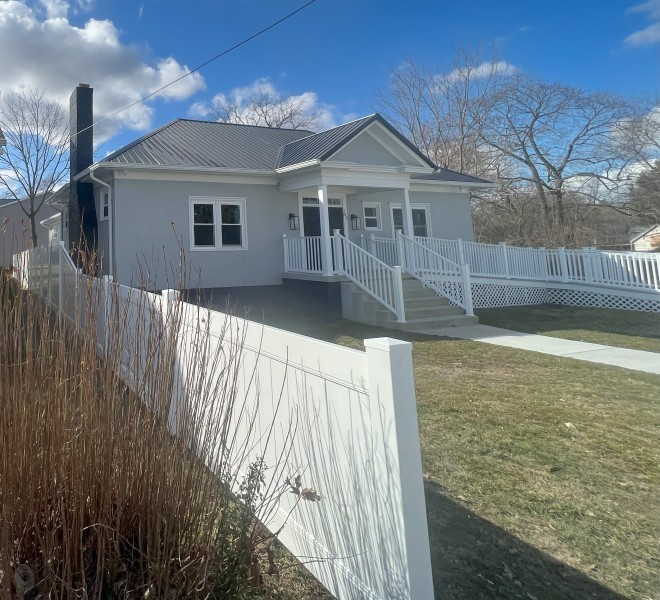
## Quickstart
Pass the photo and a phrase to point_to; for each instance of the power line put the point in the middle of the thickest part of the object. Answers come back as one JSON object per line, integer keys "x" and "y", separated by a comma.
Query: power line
{"x": 197, "y": 68}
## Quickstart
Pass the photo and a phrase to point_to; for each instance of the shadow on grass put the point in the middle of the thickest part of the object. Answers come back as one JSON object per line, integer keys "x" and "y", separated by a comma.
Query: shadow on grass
{"x": 473, "y": 559}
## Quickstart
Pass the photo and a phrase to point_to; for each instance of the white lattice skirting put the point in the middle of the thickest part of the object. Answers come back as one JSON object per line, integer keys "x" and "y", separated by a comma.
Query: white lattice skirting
{"x": 511, "y": 293}
{"x": 603, "y": 300}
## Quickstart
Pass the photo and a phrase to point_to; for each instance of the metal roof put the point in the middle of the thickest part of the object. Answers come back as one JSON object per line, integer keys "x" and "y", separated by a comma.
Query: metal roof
{"x": 189, "y": 143}
{"x": 322, "y": 146}
{"x": 441, "y": 174}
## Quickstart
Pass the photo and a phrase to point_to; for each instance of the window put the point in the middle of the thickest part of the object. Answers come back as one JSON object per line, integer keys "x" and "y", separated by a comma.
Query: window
{"x": 218, "y": 223}
{"x": 420, "y": 218}
{"x": 105, "y": 206}
{"x": 371, "y": 213}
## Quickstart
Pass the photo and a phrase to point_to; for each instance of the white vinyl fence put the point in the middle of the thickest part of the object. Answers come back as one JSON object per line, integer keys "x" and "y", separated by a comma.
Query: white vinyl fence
{"x": 348, "y": 419}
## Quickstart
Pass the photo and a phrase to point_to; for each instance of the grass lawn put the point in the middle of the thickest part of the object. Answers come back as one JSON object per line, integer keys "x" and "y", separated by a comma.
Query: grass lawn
{"x": 542, "y": 473}
{"x": 620, "y": 328}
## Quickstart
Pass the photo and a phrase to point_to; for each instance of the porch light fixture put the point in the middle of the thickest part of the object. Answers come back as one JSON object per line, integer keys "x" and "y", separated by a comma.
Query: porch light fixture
{"x": 294, "y": 222}
{"x": 356, "y": 222}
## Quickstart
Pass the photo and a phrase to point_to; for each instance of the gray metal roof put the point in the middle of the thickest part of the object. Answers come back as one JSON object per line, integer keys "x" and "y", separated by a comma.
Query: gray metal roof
{"x": 319, "y": 145}
{"x": 441, "y": 174}
{"x": 322, "y": 146}
{"x": 189, "y": 143}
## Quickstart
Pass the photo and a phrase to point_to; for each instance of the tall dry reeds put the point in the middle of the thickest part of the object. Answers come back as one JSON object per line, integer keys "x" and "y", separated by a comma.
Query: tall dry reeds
{"x": 97, "y": 498}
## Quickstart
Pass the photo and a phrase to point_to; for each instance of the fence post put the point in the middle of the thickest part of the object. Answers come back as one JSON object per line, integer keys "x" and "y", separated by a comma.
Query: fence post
{"x": 401, "y": 250}
{"x": 461, "y": 252}
{"x": 392, "y": 390}
{"x": 505, "y": 258}
{"x": 563, "y": 263}
{"x": 338, "y": 251}
{"x": 586, "y": 262}
{"x": 467, "y": 290}
{"x": 106, "y": 312}
{"x": 170, "y": 296}
{"x": 50, "y": 271}
{"x": 398, "y": 295}
{"x": 60, "y": 278}
{"x": 285, "y": 243}
{"x": 362, "y": 239}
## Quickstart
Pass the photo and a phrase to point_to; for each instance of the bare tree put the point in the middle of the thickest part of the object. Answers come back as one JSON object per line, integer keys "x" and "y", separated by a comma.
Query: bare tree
{"x": 267, "y": 108}
{"x": 645, "y": 196}
{"x": 560, "y": 139}
{"x": 35, "y": 158}
{"x": 443, "y": 112}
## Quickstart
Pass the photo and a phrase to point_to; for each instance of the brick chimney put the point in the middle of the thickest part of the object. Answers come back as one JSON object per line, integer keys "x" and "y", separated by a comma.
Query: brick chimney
{"x": 82, "y": 212}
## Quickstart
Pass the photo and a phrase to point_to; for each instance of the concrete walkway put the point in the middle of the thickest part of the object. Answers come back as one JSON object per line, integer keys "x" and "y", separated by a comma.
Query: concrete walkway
{"x": 638, "y": 360}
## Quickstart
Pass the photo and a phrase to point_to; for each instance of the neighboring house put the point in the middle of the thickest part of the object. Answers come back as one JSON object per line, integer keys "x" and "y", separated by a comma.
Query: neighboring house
{"x": 226, "y": 195}
{"x": 15, "y": 228}
{"x": 647, "y": 240}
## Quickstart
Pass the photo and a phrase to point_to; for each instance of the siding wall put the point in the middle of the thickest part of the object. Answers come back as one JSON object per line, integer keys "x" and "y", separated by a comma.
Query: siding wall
{"x": 145, "y": 242}
{"x": 451, "y": 215}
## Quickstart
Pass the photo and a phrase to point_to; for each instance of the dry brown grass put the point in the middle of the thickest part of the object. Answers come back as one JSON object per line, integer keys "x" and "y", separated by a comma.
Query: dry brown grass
{"x": 97, "y": 498}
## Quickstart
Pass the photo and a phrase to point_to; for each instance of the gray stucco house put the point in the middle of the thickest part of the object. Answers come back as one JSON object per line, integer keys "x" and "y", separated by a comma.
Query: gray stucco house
{"x": 228, "y": 194}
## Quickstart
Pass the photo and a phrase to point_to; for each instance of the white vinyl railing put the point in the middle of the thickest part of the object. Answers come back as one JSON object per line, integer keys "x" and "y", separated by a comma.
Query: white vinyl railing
{"x": 444, "y": 276}
{"x": 635, "y": 270}
{"x": 381, "y": 281}
{"x": 302, "y": 254}
{"x": 385, "y": 249}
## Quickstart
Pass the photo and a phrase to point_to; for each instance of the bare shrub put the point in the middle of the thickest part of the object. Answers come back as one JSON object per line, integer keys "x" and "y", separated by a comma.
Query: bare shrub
{"x": 97, "y": 496}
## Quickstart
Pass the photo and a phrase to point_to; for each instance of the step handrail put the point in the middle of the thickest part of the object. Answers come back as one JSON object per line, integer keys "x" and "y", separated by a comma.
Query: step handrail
{"x": 444, "y": 276}
{"x": 370, "y": 274}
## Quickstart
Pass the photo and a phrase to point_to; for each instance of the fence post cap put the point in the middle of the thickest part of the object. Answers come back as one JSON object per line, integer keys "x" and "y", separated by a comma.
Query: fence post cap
{"x": 387, "y": 344}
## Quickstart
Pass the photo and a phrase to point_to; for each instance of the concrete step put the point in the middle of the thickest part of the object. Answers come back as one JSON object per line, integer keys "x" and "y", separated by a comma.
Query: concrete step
{"x": 415, "y": 312}
{"x": 434, "y": 322}
{"x": 433, "y": 300}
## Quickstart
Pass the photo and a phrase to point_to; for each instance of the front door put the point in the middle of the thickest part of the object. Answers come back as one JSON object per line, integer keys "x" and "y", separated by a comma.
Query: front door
{"x": 311, "y": 215}
{"x": 419, "y": 217}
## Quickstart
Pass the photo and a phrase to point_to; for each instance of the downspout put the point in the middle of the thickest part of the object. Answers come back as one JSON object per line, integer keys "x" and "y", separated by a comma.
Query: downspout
{"x": 110, "y": 221}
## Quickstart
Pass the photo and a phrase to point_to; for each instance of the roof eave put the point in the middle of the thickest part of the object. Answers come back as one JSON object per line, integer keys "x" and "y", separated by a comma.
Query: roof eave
{"x": 185, "y": 168}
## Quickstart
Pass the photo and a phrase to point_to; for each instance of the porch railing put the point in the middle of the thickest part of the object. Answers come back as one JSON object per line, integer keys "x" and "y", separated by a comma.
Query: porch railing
{"x": 442, "y": 275}
{"x": 302, "y": 254}
{"x": 385, "y": 249}
{"x": 381, "y": 281}
{"x": 634, "y": 270}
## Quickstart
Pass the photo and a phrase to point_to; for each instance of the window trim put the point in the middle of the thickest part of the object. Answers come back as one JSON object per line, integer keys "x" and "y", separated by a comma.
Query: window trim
{"x": 217, "y": 203}
{"x": 379, "y": 216}
{"x": 104, "y": 203}
{"x": 426, "y": 207}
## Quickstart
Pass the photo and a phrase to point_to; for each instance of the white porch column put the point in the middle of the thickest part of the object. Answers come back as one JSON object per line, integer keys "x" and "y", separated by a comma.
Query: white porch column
{"x": 407, "y": 215}
{"x": 326, "y": 242}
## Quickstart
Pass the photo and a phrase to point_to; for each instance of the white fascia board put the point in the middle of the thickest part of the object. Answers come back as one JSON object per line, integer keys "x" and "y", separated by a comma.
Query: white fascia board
{"x": 51, "y": 220}
{"x": 297, "y": 166}
{"x": 178, "y": 173}
{"x": 425, "y": 185}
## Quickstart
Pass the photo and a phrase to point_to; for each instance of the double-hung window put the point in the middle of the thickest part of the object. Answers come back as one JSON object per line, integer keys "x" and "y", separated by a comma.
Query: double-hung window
{"x": 217, "y": 224}
{"x": 371, "y": 213}
{"x": 105, "y": 206}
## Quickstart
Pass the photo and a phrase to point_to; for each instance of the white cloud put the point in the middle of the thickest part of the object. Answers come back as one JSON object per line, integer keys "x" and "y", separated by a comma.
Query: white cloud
{"x": 651, "y": 34}
{"x": 485, "y": 69}
{"x": 41, "y": 49}
{"x": 308, "y": 101}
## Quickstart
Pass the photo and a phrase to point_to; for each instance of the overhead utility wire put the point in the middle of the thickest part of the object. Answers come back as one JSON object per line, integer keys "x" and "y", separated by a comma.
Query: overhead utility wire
{"x": 197, "y": 68}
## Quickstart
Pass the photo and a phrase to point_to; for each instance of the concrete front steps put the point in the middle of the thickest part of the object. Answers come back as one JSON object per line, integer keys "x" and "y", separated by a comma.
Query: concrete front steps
{"x": 424, "y": 309}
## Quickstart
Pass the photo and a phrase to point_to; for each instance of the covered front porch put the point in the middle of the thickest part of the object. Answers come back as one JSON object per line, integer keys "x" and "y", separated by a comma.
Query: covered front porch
{"x": 358, "y": 213}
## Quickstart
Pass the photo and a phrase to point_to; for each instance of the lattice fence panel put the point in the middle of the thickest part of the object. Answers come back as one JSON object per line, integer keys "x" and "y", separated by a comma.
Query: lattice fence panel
{"x": 582, "y": 298}
{"x": 489, "y": 295}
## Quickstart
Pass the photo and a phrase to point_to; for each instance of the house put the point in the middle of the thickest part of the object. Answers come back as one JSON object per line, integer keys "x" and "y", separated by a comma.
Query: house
{"x": 15, "y": 228}
{"x": 646, "y": 240}
{"x": 234, "y": 198}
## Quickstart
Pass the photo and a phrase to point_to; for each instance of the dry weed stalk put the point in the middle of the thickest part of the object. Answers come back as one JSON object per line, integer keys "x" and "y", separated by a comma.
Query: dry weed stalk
{"x": 96, "y": 495}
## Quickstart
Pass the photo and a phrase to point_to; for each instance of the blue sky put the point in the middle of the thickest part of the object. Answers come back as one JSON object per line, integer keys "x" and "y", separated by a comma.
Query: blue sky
{"x": 337, "y": 52}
